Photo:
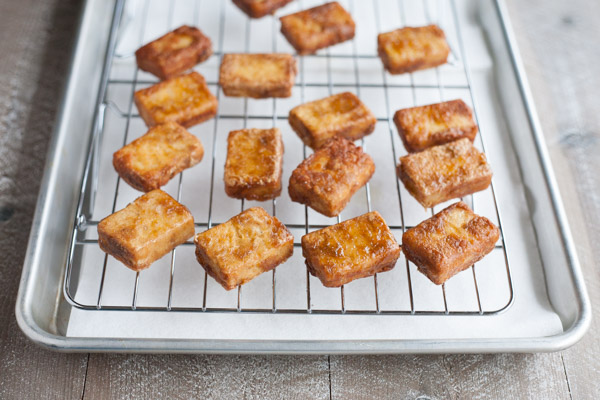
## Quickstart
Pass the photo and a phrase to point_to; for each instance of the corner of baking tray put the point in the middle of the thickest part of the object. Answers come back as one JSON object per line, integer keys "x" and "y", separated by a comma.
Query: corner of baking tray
{"x": 584, "y": 316}
{"x": 35, "y": 333}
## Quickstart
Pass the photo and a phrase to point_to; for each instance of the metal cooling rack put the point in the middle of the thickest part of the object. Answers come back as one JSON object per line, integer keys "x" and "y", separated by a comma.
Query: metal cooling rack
{"x": 84, "y": 221}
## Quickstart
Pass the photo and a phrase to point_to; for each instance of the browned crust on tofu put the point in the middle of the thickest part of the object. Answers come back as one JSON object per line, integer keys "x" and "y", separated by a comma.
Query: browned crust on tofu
{"x": 412, "y": 48}
{"x": 254, "y": 164}
{"x": 449, "y": 242}
{"x": 174, "y": 53}
{"x": 327, "y": 180}
{"x": 353, "y": 249}
{"x": 318, "y": 27}
{"x": 342, "y": 114}
{"x": 260, "y": 8}
{"x": 444, "y": 172}
{"x": 145, "y": 230}
{"x": 244, "y": 247}
{"x": 184, "y": 99}
{"x": 258, "y": 75}
{"x": 150, "y": 161}
{"x": 434, "y": 124}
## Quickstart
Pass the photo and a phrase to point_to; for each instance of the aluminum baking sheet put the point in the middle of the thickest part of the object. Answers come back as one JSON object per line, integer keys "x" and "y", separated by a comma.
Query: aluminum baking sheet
{"x": 505, "y": 303}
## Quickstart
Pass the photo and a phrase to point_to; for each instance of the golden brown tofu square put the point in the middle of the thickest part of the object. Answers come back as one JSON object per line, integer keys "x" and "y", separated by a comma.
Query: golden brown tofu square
{"x": 254, "y": 164}
{"x": 342, "y": 114}
{"x": 174, "y": 53}
{"x": 435, "y": 124}
{"x": 327, "y": 180}
{"x": 449, "y": 242}
{"x": 145, "y": 230}
{"x": 244, "y": 247}
{"x": 257, "y": 75}
{"x": 353, "y": 249}
{"x": 318, "y": 27}
{"x": 411, "y": 49}
{"x": 150, "y": 161}
{"x": 184, "y": 99}
{"x": 260, "y": 8}
{"x": 445, "y": 172}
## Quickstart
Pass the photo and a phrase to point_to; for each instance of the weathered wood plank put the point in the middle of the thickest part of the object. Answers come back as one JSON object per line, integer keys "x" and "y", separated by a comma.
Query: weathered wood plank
{"x": 207, "y": 376}
{"x": 503, "y": 376}
{"x": 561, "y": 58}
{"x": 35, "y": 49}
{"x": 29, "y": 372}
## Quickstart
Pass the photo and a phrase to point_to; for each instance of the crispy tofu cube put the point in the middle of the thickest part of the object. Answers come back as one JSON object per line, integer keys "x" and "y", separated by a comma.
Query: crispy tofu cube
{"x": 445, "y": 172}
{"x": 356, "y": 248}
{"x": 342, "y": 114}
{"x": 257, "y": 75}
{"x": 174, "y": 53}
{"x": 411, "y": 49}
{"x": 260, "y": 8}
{"x": 254, "y": 164}
{"x": 449, "y": 242}
{"x": 184, "y": 99}
{"x": 435, "y": 124}
{"x": 244, "y": 247}
{"x": 150, "y": 161}
{"x": 145, "y": 230}
{"x": 327, "y": 180}
{"x": 318, "y": 27}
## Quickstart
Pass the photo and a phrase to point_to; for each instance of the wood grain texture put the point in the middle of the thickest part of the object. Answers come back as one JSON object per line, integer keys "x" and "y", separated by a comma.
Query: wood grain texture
{"x": 559, "y": 47}
{"x": 207, "y": 376}
{"x": 503, "y": 376}
{"x": 35, "y": 51}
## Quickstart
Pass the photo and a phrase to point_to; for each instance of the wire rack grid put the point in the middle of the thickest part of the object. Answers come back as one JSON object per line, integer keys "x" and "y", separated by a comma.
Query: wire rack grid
{"x": 85, "y": 220}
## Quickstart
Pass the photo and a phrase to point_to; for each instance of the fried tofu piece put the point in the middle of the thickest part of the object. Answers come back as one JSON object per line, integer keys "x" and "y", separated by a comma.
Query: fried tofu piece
{"x": 258, "y": 75}
{"x": 449, "y": 242}
{"x": 145, "y": 230}
{"x": 174, "y": 53}
{"x": 411, "y": 49}
{"x": 342, "y": 114}
{"x": 445, "y": 172}
{"x": 327, "y": 180}
{"x": 260, "y": 8}
{"x": 244, "y": 247}
{"x": 353, "y": 249}
{"x": 318, "y": 27}
{"x": 435, "y": 124}
{"x": 184, "y": 99}
{"x": 254, "y": 164}
{"x": 150, "y": 161}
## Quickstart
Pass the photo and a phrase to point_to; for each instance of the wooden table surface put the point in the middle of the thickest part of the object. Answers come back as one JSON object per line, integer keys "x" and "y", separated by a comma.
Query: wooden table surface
{"x": 558, "y": 41}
